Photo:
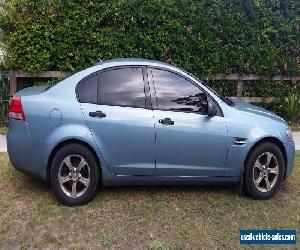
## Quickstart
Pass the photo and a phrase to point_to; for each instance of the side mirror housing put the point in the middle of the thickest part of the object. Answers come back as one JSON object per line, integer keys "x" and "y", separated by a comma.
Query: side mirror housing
{"x": 211, "y": 109}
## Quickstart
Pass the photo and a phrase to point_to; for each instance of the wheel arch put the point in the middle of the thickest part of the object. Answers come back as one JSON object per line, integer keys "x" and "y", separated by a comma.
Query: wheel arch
{"x": 274, "y": 140}
{"x": 64, "y": 143}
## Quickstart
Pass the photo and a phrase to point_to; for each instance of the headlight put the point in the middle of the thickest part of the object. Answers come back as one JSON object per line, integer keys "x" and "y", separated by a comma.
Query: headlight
{"x": 289, "y": 134}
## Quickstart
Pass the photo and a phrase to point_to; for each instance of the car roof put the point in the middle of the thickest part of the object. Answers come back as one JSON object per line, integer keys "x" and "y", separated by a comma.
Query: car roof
{"x": 132, "y": 61}
{"x": 123, "y": 62}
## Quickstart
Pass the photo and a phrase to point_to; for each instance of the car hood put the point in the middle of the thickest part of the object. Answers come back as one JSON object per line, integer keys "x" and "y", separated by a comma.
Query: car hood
{"x": 253, "y": 109}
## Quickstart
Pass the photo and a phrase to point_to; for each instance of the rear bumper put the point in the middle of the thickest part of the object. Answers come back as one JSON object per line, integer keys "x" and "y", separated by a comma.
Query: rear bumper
{"x": 290, "y": 157}
{"x": 26, "y": 156}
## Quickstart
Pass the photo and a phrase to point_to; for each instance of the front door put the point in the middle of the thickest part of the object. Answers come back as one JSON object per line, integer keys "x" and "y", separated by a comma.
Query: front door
{"x": 188, "y": 142}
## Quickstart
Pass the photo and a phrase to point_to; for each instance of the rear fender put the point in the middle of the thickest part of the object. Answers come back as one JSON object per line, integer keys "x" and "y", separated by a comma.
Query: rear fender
{"x": 73, "y": 132}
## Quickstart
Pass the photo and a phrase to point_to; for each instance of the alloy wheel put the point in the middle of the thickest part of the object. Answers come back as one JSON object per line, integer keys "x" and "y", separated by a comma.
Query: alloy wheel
{"x": 74, "y": 176}
{"x": 265, "y": 172}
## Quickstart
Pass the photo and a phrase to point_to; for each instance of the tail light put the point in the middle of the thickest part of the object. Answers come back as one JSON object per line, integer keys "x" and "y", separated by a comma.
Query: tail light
{"x": 16, "y": 110}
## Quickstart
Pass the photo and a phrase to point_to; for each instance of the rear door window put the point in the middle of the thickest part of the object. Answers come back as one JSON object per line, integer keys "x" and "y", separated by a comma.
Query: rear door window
{"x": 122, "y": 87}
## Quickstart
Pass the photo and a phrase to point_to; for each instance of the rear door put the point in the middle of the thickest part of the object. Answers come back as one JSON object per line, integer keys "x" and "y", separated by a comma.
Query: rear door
{"x": 116, "y": 105}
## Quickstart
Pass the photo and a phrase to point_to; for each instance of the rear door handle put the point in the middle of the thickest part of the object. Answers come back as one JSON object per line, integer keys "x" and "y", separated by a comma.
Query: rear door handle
{"x": 166, "y": 121}
{"x": 98, "y": 113}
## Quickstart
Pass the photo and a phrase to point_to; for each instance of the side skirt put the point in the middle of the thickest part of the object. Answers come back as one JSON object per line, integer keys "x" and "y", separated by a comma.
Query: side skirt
{"x": 168, "y": 180}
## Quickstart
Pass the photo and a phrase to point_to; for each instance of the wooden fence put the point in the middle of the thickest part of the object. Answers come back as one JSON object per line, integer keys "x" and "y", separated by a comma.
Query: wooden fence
{"x": 15, "y": 76}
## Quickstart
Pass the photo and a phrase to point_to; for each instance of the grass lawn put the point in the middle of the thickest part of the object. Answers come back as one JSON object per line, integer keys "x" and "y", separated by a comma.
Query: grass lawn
{"x": 139, "y": 217}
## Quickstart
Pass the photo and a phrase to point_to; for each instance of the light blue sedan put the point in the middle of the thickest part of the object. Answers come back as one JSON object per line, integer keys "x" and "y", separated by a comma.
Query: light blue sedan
{"x": 141, "y": 122}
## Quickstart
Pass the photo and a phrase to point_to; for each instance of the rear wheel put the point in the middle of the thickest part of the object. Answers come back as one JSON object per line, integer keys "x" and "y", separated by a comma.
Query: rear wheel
{"x": 74, "y": 175}
{"x": 264, "y": 171}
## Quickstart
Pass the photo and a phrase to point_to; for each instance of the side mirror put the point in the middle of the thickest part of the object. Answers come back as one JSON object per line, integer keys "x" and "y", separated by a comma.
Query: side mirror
{"x": 211, "y": 109}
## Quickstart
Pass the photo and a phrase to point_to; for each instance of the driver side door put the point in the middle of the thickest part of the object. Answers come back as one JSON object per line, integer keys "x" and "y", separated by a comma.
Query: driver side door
{"x": 189, "y": 143}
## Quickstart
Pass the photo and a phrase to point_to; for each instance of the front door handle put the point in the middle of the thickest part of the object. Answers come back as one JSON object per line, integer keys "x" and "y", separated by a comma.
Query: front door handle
{"x": 97, "y": 114}
{"x": 166, "y": 121}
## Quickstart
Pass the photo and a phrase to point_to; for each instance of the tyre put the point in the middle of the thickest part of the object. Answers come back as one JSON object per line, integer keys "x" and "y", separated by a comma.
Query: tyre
{"x": 264, "y": 171}
{"x": 74, "y": 175}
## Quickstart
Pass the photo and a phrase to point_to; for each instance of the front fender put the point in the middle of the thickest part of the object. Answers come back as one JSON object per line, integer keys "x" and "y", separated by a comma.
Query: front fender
{"x": 237, "y": 154}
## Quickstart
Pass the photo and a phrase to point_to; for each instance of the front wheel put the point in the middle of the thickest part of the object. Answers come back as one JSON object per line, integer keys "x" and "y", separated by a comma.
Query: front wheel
{"x": 74, "y": 175}
{"x": 264, "y": 171}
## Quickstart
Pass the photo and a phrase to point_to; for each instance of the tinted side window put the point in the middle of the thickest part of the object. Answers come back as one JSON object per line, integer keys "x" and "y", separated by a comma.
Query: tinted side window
{"x": 175, "y": 93}
{"x": 87, "y": 89}
{"x": 122, "y": 87}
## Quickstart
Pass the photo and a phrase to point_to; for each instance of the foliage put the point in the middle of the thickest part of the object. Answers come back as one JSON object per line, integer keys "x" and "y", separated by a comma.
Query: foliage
{"x": 279, "y": 90}
{"x": 269, "y": 88}
{"x": 204, "y": 37}
{"x": 49, "y": 83}
{"x": 225, "y": 88}
{"x": 4, "y": 99}
{"x": 292, "y": 106}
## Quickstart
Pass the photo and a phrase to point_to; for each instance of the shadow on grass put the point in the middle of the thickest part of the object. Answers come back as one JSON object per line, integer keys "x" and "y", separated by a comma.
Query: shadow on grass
{"x": 164, "y": 189}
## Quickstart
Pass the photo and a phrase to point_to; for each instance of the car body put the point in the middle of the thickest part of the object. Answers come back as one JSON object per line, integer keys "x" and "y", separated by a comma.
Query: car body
{"x": 139, "y": 135}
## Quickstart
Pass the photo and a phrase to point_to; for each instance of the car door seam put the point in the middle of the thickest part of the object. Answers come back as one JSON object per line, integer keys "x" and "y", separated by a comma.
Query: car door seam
{"x": 87, "y": 124}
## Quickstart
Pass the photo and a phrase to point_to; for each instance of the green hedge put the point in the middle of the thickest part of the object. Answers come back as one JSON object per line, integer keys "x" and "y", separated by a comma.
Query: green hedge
{"x": 203, "y": 37}
{"x": 269, "y": 88}
{"x": 263, "y": 88}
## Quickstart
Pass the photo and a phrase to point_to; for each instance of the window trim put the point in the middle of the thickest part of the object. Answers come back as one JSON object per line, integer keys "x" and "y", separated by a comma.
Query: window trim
{"x": 150, "y": 95}
{"x": 154, "y": 96}
{"x": 148, "y": 103}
